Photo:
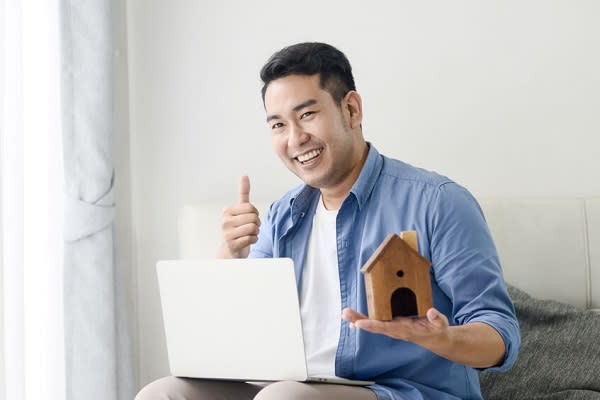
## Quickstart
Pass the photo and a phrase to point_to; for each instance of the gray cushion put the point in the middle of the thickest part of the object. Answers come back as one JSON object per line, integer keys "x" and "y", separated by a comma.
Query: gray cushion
{"x": 559, "y": 356}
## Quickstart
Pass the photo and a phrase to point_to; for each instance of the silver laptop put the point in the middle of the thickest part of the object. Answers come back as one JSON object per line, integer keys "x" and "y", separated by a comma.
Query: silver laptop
{"x": 234, "y": 320}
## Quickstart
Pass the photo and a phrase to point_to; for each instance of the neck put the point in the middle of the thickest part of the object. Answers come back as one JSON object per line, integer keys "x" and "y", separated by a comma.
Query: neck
{"x": 333, "y": 197}
{"x": 333, "y": 202}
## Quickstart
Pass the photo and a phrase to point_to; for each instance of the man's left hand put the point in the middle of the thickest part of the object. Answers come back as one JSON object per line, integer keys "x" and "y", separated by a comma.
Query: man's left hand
{"x": 433, "y": 327}
{"x": 475, "y": 344}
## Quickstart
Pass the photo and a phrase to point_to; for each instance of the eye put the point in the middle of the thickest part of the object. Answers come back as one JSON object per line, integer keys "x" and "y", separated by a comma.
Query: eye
{"x": 307, "y": 114}
{"x": 277, "y": 125}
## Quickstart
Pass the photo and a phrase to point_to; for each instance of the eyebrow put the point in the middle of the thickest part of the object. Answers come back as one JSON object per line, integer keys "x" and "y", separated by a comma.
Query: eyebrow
{"x": 297, "y": 108}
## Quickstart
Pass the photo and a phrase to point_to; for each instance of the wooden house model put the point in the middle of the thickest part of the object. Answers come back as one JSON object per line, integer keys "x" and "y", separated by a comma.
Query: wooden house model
{"x": 397, "y": 279}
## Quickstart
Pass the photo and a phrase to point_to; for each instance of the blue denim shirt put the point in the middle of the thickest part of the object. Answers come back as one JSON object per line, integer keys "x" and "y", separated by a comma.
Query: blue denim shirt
{"x": 390, "y": 196}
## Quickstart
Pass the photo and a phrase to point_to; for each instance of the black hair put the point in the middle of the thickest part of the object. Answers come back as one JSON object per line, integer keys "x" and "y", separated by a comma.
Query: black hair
{"x": 311, "y": 58}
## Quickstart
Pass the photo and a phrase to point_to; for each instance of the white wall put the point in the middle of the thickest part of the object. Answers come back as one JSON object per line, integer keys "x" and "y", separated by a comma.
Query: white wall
{"x": 502, "y": 96}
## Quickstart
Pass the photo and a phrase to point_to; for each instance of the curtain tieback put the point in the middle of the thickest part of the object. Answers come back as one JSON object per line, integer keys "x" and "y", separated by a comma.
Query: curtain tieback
{"x": 83, "y": 219}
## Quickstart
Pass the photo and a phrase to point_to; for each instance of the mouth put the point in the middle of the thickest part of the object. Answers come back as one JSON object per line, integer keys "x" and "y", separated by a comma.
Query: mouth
{"x": 309, "y": 155}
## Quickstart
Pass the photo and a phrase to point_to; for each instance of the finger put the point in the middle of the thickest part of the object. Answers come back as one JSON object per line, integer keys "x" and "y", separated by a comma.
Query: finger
{"x": 240, "y": 209}
{"x": 244, "y": 189}
{"x": 358, "y": 320}
{"x": 234, "y": 221}
{"x": 432, "y": 314}
{"x": 243, "y": 242}
{"x": 351, "y": 315}
{"x": 436, "y": 318}
{"x": 241, "y": 231}
{"x": 372, "y": 325}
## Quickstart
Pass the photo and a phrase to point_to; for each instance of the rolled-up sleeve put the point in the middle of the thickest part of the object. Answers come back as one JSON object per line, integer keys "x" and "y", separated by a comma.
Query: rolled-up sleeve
{"x": 467, "y": 268}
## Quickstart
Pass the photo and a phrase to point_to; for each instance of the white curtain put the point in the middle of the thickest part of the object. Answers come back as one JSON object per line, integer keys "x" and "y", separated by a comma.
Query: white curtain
{"x": 63, "y": 334}
{"x": 98, "y": 354}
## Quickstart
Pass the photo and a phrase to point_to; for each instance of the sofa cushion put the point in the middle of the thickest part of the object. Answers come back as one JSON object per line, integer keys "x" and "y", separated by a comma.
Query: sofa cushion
{"x": 559, "y": 356}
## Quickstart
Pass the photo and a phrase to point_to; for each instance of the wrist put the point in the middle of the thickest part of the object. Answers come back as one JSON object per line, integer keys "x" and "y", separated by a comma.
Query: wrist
{"x": 224, "y": 252}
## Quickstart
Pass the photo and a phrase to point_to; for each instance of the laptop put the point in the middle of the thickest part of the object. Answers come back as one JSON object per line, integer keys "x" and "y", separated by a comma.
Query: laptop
{"x": 234, "y": 320}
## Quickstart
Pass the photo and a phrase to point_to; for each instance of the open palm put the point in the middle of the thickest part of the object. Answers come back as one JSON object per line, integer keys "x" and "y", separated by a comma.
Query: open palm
{"x": 417, "y": 330}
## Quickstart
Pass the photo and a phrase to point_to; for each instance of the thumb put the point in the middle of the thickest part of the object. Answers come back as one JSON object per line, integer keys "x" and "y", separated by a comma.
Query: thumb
{"x": 435, "y": 317}
{"x": 244, "y": 189}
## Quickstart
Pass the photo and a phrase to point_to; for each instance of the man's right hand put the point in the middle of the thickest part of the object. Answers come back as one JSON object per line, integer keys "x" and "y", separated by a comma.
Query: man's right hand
{"x": 240, "y": 224}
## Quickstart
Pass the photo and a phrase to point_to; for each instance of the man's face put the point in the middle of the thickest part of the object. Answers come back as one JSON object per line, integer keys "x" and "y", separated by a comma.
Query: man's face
{"x": 314, "y": 137}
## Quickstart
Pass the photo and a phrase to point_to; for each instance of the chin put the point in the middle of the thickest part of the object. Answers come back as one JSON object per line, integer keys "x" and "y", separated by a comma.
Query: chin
{"x": 314, "y": 180}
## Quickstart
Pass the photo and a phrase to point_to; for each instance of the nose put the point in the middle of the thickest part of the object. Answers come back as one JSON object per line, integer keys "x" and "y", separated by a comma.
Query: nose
{"x": 298, "y": 136}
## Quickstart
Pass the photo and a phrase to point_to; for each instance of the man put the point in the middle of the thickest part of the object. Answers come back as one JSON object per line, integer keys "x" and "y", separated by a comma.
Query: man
{"x": 351, "y": 199}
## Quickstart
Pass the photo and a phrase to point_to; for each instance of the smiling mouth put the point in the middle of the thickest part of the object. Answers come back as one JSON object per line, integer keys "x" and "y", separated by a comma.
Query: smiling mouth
{"x": 309, "y": 155}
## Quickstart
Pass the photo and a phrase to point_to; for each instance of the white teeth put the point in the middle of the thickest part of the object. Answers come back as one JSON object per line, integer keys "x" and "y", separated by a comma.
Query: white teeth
{"x": 309, "y": 156}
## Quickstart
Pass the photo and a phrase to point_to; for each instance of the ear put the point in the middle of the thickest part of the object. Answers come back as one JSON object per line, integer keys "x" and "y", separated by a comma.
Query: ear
{"x": 353, "y": 108}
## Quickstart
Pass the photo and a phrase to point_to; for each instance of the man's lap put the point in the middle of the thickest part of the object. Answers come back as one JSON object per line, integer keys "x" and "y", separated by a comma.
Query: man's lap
{"x": 172, "y": 388}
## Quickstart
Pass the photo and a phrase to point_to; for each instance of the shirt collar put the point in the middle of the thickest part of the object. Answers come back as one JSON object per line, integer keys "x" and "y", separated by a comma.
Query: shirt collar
{"x": 363, "y": 186}
{"x": 301, "y": 199}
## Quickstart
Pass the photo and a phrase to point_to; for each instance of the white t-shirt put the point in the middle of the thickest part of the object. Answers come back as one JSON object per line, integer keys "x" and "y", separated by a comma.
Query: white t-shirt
{"x": 320, "y": 298}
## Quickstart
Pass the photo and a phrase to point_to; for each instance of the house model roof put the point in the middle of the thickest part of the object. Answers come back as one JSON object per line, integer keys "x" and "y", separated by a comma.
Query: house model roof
{"x": 408, "y": 243}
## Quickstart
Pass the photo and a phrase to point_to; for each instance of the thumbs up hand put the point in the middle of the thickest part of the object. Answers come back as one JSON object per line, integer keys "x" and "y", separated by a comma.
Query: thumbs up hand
{"x": 240, "y": 225}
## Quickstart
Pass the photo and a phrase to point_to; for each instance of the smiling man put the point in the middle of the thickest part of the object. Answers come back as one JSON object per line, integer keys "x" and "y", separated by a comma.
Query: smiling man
{"x": 351, "y": 199}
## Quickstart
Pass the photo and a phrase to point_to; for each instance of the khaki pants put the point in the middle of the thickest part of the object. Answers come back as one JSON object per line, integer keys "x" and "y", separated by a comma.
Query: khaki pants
{"x": 171, "y": 388}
